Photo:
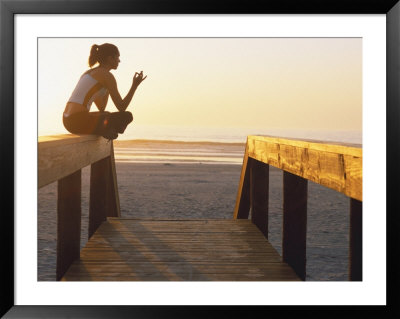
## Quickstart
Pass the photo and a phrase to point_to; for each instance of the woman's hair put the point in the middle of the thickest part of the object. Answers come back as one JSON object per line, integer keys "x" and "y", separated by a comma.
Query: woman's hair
{"x": 99, "y": 53}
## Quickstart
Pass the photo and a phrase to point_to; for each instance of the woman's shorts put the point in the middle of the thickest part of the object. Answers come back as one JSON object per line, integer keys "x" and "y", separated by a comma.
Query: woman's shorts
{"x": 97, "y": 123}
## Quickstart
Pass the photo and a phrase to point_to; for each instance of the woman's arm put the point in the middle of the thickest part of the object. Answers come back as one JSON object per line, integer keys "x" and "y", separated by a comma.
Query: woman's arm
{"x": 111, "y": 84}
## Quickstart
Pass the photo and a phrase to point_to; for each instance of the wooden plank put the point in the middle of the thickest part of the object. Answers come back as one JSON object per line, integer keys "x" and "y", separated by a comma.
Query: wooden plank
{"x": 294, "y": 232}
{"x": 61, "y": 155}
{"x": 158, "y": 250}
{"x": 195, "y": 227}
{"x": 179, "y": 271}
{"x": 259, "y": 194}
{"x": 64, "y": 139}
{"x": 322, "y": 146}
{"x": 336, "y": 166}
{"x": 194, "y": 248}
{"x": 120, "y": 243}
{"x": 188, "y": 222}
{"x": 96, "y": 268}
{"x": 212, "y": 238}
{"x": 167, "y": 257}
{"x": 190, "y": 275}
{"x": 68, "y": 222}
{"x": 355, "y": 249}
{"x": 242, "y": 206}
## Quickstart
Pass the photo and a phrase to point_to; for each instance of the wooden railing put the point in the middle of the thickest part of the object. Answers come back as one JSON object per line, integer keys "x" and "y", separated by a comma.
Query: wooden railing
{"x": 61, "y": 158}
{"x": 335, "y": 166}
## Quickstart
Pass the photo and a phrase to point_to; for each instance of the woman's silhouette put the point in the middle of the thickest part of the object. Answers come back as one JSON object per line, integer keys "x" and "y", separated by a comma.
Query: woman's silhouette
{"x": 96, "y": 85}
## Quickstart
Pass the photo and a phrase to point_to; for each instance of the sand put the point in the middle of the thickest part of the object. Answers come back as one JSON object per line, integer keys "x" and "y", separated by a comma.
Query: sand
{"x": 170, "y": 190}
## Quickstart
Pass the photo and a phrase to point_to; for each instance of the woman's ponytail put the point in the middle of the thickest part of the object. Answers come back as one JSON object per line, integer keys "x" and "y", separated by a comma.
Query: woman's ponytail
{"x": 99, "y": 53}
{"x": 94, "y": 55}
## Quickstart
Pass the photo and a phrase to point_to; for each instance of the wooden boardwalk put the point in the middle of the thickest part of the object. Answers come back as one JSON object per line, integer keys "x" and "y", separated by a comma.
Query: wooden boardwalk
{"x": 201, "y": 250}
{"x": 179, "y": 250}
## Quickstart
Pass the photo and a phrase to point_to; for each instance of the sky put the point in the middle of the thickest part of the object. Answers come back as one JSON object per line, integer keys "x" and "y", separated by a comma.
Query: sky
{"x": 276, "y": 83}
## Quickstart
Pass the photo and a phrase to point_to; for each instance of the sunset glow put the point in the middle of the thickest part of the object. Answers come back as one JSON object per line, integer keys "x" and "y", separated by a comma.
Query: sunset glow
{"x": 277, "y": 83}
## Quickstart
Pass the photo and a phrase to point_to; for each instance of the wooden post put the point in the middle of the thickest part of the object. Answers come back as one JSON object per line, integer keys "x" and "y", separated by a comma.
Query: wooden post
{"x": 99, "y": 185}
{"x": 112, "y": 202}
{"x": 294, "y": 222}
{"x": 68, "y": 222}
{"x": 242, "y": 207}
{"x": 259, "y": 189}
{"x": 355, "y": 249}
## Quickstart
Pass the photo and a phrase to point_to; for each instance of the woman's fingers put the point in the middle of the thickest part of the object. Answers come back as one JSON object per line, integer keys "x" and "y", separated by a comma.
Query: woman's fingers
{"x": 139, "y": 76}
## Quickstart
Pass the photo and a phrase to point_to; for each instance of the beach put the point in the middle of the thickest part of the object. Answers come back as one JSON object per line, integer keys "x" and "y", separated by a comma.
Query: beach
{"x": 192, "y": 181}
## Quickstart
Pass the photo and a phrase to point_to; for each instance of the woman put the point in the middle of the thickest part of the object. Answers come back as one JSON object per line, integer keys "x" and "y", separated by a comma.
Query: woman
{"x": 96, "y": 85}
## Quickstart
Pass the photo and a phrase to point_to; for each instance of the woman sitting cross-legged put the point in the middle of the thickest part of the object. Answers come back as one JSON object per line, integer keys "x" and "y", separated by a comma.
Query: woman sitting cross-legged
{"x": 96, "y": 85}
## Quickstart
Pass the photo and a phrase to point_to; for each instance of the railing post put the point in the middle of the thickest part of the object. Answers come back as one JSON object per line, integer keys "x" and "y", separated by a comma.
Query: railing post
{"x": 99, "y": 184}
{"x": 294, "y": 222}
{"x": 242, "y": 207}
{"x": 259, "y": 189}
{"x": 113, "y": 207}
{"x": 355, "y": 249}
{"x": 68, "y": 222}
{"x": 104, "y": 198}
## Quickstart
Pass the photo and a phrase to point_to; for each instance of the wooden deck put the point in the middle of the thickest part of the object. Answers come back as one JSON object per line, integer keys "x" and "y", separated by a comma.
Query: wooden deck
{"x": 179, "y": 250}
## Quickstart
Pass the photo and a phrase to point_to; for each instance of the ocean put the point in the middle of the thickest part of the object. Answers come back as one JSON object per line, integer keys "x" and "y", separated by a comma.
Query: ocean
{"x": 220, "y": 134}
{"x": 232, "y": 135}
{"x": 205, "y": 145}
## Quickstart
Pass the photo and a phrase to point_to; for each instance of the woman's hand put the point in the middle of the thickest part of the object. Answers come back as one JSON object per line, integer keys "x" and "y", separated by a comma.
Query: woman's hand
{"x": 138, "y": 78}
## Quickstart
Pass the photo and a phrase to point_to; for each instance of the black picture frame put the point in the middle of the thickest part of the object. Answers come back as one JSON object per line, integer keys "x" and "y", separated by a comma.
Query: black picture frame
{"x": 9, "y": 8}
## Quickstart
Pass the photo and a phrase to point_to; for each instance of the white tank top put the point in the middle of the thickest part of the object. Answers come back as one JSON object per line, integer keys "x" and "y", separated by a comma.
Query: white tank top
{"x": 87, "y": 90}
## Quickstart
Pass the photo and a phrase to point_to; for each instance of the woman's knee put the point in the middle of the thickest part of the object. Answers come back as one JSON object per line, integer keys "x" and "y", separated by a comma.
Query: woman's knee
{"x": 128, "y": 115}
{"x": 120, "y": 119}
